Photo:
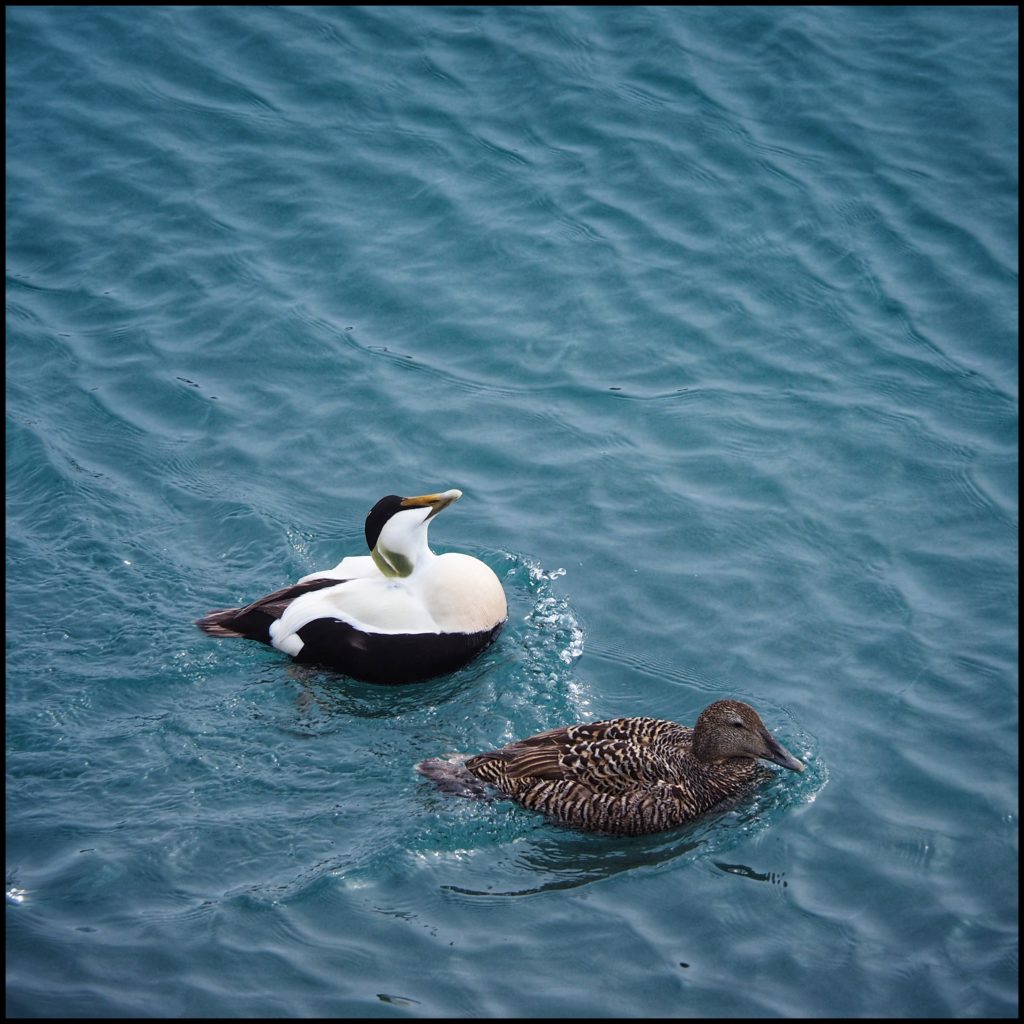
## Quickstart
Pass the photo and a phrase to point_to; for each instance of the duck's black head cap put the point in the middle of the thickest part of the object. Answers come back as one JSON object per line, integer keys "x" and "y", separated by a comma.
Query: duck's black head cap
{"x": 379, "y": 515}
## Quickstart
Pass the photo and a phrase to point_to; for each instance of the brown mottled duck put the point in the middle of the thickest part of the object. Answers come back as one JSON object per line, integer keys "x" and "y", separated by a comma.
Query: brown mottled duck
{"x": 623, "y": 776}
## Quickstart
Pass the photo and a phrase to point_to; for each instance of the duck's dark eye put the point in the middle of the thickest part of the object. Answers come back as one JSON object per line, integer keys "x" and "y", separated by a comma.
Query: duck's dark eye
{"x": 737, "y": 723}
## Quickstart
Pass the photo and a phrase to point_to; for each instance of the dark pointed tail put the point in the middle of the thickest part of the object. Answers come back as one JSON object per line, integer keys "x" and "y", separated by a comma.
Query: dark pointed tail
{"x": 224, "y": 623}
{"x": 252, "y": 622}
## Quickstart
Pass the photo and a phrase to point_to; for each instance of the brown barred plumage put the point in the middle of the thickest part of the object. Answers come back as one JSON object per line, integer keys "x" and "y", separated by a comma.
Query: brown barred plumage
{"x": 624, "y": 776}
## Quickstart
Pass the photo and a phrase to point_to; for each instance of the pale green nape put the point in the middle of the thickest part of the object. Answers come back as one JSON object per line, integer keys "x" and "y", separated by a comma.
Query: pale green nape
{"x": 390, "y": 563}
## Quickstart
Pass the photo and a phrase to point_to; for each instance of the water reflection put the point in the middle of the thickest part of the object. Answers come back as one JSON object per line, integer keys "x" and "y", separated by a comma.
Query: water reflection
{"x": 575, "y": 865}
{"x": 330, "y": 693}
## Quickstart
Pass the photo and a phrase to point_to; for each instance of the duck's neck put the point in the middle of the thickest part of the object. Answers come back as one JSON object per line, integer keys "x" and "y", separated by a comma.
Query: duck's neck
{"x": 702, "y": 747}
{"x": 401, "y": 564}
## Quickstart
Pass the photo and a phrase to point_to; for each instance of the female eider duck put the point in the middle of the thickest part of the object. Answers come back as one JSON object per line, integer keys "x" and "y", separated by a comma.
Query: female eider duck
{"x": 398, "y": 615}
{"x": 624, "y": 776}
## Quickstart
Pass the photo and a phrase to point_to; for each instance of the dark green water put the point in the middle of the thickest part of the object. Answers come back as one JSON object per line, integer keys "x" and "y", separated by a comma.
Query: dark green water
{"x": 712, "y": 315}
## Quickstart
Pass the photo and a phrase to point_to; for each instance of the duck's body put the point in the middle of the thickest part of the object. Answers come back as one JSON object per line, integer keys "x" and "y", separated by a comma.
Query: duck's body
{"x": 624, "y": 776}
{"x": 399, "y": 615}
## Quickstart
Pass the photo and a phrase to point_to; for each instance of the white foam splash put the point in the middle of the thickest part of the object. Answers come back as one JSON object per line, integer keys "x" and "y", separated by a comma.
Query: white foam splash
{"x": 553, "y": 615}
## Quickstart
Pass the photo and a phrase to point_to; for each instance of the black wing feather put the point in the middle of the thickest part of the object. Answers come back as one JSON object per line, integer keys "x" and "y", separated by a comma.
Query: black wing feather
{"x": 252, "y": 621}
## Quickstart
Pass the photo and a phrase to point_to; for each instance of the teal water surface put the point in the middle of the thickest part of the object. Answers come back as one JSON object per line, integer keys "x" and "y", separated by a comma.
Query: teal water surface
{"x": 710, "y": 312}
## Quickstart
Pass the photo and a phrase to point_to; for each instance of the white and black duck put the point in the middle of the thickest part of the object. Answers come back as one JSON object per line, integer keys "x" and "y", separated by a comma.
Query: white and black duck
{"x": 624, "y": 776}
{"x": 398, "y": 615}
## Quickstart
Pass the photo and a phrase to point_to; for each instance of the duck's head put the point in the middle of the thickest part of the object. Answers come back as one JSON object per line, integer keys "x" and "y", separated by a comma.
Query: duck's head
{"x": 396, "y": 529}
{"x": 730, "y": 728}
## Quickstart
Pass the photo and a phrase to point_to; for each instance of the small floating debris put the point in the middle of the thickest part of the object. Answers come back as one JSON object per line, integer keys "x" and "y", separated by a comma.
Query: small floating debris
{"x": 397, "y": 1000}
{"x": 745, "y": 872}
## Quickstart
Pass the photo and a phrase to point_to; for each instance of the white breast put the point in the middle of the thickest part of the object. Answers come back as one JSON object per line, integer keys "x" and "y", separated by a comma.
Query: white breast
{"x": 462, "y": 594}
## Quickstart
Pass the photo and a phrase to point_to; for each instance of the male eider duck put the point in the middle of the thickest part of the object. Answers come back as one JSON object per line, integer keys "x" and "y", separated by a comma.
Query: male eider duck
{"x": 398, "y": 615}
{"x": 624, "y": 776}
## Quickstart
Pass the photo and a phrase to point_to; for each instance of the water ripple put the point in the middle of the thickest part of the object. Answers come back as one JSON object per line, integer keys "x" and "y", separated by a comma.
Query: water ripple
{"x": 713, "y": 314}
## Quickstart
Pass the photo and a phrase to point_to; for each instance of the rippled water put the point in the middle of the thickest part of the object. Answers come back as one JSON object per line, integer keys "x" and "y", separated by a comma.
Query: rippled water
{"x": 712, "y": 314}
